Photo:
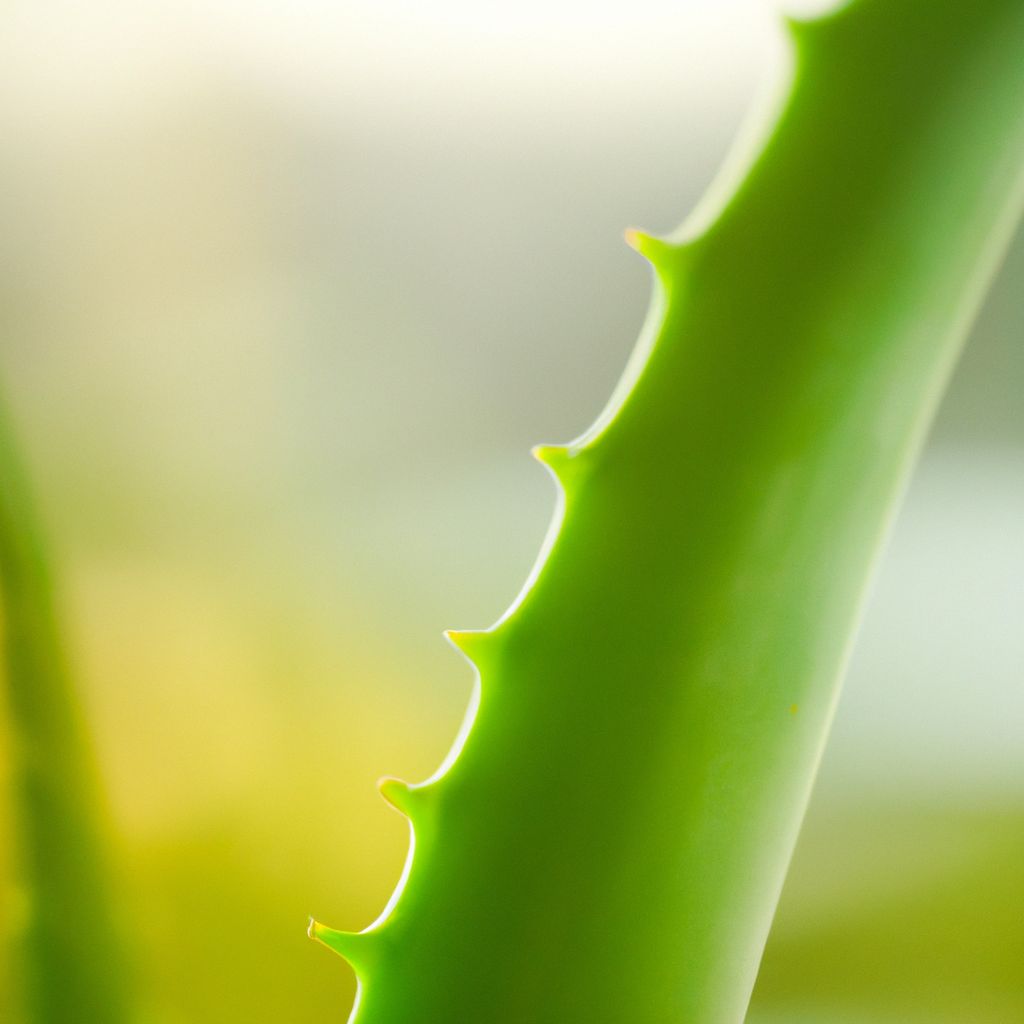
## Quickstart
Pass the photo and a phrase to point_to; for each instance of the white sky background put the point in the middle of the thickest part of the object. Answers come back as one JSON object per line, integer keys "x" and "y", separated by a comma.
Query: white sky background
{"x": 82, "y": 56}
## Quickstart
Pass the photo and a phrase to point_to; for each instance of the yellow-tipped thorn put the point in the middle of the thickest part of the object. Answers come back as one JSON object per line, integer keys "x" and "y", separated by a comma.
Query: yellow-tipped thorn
{"x": 555, "y": 456}
{"x": 398, "y": 794}
{"x": 470, "y": 642}
{"x": 350, "y": 946}
{"x": 656, "y": 250}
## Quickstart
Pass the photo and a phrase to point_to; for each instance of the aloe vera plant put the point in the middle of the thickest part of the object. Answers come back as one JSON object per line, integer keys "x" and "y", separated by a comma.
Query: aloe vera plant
{"x": 608, "y": 839}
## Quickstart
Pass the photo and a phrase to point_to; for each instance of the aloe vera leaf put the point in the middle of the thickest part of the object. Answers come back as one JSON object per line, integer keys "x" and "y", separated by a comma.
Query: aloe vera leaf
{"x": 70, "y": 952}
{"x": 608, "y": 839}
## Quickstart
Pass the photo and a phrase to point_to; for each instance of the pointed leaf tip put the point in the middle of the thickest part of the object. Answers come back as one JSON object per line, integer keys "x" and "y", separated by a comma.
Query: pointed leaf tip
{"x": 470, "y": 642}
{"x": 555, "y": 456}
{"x": 655, "y": 250}
{"x": 400, "y": 795}
{"x": 350, "y": 946}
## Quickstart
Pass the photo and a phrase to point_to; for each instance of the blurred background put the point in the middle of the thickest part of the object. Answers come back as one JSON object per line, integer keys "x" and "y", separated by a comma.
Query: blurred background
{"x": 287, "y": 291}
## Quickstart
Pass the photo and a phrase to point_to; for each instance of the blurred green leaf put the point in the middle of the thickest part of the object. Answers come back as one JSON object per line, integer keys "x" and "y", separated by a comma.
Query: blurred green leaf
{"x": 72, "y": 959}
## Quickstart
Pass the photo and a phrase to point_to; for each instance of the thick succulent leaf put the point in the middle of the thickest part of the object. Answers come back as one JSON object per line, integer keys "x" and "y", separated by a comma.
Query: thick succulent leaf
{"x": 610, "y": 841}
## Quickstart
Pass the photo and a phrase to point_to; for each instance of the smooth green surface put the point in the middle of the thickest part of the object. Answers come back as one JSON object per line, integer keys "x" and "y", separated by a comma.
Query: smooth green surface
{"x": 610, "y": 843}
{"x": 69, "y": 956}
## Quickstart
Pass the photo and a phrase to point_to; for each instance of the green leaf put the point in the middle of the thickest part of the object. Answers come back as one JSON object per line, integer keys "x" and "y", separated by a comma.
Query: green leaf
{"x": 610, "y": 842}
{"x": 73, "y": 964}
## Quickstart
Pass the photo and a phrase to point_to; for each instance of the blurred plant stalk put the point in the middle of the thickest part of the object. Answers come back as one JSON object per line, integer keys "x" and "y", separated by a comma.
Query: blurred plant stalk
{"x": 69, "y": 954}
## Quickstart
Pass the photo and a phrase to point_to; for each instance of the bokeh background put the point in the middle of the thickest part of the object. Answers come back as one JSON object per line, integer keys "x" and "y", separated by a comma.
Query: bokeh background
{"x": 287, "y": 291}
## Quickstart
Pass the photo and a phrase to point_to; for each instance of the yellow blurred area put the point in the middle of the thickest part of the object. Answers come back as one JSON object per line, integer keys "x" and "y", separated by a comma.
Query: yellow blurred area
{"x": 286, "y": 294}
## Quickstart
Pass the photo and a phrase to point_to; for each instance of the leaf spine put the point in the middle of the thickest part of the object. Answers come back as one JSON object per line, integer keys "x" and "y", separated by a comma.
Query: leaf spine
{"x": 558, "y": 459}
{"x": 355, "y": 948}
{"x": 473, "y": 644}
{"x": 400, "y": 795}
{"x": 657, "y": 251}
